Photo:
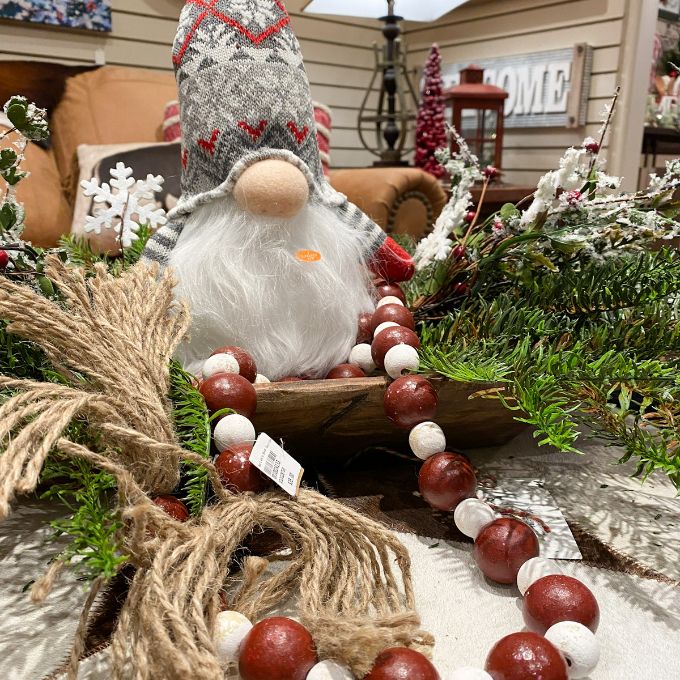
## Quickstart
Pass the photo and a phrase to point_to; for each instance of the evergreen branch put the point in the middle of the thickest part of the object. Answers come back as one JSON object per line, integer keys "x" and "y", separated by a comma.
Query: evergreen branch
{"x": 80, "y": 253}
{"x": 192, "y": 425}
{"x": 94, "y": 529}
{"x": 547, "y": 409}
{"x": 648, "y": 433}
{"x": 544, "y": 370}
{"x": 618, "y": 283}
{"x": 20, "y": 358}
{"x": 465, "y": 366}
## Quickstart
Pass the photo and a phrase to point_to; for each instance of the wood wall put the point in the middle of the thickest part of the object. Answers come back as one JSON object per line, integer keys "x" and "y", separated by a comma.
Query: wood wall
{"x": 338, "y": 55}
{"x": 339, "y": 59}
{"x": 487, "y": 28}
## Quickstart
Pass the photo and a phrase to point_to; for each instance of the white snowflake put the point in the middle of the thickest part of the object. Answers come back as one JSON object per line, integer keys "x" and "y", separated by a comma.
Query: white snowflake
{"x": 125, "y": 199}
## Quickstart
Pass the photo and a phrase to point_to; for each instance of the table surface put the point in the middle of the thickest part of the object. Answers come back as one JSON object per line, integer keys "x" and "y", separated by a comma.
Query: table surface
{"x": 640, "y": 622}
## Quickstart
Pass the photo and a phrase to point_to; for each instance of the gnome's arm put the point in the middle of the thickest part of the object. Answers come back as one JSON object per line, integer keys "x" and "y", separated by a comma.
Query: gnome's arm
{"x": 391, "y": 262}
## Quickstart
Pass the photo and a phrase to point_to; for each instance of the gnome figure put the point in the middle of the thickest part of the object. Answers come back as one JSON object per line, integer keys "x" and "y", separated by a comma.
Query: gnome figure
{"x": 268, "y": 256}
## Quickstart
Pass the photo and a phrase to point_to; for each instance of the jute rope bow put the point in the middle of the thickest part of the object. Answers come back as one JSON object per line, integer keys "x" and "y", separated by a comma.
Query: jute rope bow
{"x": 113, "y": 339}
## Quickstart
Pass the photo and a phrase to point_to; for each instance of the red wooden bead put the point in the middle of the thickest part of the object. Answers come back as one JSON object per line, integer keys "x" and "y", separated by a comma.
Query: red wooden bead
{"x": 246, "y": 364}
{"x": 557, "y": 598}
{"x": 345, "y": 371}
{"x": 238, "y": 474}
{"x": 228, "y": 390}
{"x": 525, "y": 656}
{"x": 4, "y": 259}
{"x": 173, "y": 507}
{"x": 410, "y": 400}
{"x": 388, "y": 338}
{"x": 385, "y": 289}
{"x": 394, "y": 312}
{"x": 446, "y": 479}
{"x": 503, "y": 546}
{"x": 277, "y": 648}
{"x": 402, "y": 663}
{"x": 364, "y": 328}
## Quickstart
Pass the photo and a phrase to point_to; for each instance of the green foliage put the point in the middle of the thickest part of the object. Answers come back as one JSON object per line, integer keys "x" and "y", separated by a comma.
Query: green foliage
{"x": 10, "y": 215}
{"x": 94, "y": 527}
{"x": 20, "y": 358}
{"x": 27, "y": 118}
{"x": 81, "y": 254}
{"x": 192, "y": 425}
{"x": 597, "y": 346}
{"x": 621, "y": 282}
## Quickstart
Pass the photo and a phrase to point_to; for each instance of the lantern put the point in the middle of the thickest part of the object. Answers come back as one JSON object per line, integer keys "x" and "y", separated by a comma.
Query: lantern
{"x": 478, "y": 115}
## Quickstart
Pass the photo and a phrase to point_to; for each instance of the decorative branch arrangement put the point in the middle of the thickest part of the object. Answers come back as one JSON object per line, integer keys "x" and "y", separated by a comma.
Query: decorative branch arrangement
{"x": 568, "y": 300}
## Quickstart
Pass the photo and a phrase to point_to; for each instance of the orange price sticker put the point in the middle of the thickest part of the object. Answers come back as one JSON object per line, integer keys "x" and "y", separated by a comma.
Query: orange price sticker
{"x": 308, "y": 255}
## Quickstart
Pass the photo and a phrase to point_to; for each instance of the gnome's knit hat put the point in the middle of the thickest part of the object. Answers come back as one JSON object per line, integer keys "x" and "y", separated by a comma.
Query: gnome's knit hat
{"x": 244, "y": 97}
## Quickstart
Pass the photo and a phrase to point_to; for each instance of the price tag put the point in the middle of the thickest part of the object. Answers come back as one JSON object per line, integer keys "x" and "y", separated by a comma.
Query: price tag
{"x": 268, "y": 457}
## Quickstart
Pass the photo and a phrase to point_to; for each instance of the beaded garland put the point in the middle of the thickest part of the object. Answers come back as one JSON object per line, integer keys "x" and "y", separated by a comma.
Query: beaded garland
{"x": 560, "y": 611}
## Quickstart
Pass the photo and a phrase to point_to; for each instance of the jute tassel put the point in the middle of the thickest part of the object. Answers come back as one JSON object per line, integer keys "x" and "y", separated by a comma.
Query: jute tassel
{"x": 114, "y": 337}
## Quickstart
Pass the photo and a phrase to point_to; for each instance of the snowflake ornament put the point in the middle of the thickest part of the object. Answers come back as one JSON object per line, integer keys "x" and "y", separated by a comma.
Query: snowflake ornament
{"x": 122, "y": 200}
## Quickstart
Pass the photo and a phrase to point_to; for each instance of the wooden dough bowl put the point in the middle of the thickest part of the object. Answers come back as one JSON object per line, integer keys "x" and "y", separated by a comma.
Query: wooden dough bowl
{"x": 321, "y": 418}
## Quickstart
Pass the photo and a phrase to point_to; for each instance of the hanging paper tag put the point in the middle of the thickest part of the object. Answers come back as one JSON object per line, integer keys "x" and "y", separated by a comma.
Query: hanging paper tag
{"x": 268, "y": 457}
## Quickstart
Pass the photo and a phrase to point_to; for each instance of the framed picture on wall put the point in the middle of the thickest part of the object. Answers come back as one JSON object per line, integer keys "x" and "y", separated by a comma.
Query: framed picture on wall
{"x": 90, "y": 15}
{"x": 669, "y": 9}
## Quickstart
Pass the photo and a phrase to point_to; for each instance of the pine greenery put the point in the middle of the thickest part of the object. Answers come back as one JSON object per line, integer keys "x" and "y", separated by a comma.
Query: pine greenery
{"x": 595, "y": 345}
{"x": 93, "y": 527}
{"x": 192, "y": 425}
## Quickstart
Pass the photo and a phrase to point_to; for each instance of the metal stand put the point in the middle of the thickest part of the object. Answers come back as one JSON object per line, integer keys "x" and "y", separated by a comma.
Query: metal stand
{"x": 393, "y": 113}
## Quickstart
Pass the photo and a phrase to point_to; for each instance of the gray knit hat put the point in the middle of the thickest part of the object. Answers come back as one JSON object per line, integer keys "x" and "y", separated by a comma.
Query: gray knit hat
{"x": 244, "y": 97}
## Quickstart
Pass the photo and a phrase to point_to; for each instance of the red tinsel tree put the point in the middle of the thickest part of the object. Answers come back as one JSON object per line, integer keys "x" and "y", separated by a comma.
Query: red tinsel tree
{"x": 430, "y": 125}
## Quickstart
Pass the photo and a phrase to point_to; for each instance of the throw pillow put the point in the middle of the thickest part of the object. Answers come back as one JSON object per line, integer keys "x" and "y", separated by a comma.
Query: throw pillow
{"x": 144, "y": 159}
{"x": 171, "y": 128}
{"x": 323, "y": 118}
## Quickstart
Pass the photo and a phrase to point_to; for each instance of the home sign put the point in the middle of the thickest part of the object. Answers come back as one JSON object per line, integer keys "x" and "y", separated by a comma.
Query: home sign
{"x": 545, "y": 89}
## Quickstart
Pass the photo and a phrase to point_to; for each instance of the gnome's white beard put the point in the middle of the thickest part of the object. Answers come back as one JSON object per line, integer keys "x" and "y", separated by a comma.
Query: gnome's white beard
{"x": 246, "y": 286}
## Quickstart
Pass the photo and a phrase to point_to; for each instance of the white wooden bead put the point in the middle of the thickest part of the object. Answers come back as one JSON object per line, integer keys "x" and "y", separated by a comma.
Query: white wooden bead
{"x": 383, "y": 326}
{"x": 471, "y": 515}
{"x": 579, "y": 646}
{"x": 261, "y": 379}
{"x": 389, "y": 300}
{"x": 219, "y": 363}
{"x": 401, "y": 358}
{"x": 233, "y": 429}
{"x": 329, "y": 670}
{"x": 427, "y": 439}
{"x": 361, "y": 356}
{"x": 469, "y": 673}
{"x": 533, "y": 569}
{"x": 230, "y": 629}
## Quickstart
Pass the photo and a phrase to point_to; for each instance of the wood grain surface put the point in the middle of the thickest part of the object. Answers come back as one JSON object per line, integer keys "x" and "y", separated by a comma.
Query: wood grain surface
{"x": 320, "y": 418}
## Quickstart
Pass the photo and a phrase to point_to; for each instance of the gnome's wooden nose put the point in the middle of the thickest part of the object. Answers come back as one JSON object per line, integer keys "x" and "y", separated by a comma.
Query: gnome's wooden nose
{"x": 272, "y": 187}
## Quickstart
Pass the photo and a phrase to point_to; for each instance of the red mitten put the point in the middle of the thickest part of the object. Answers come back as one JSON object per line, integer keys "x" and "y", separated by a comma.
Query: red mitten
{"x": 392, "y": 262}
